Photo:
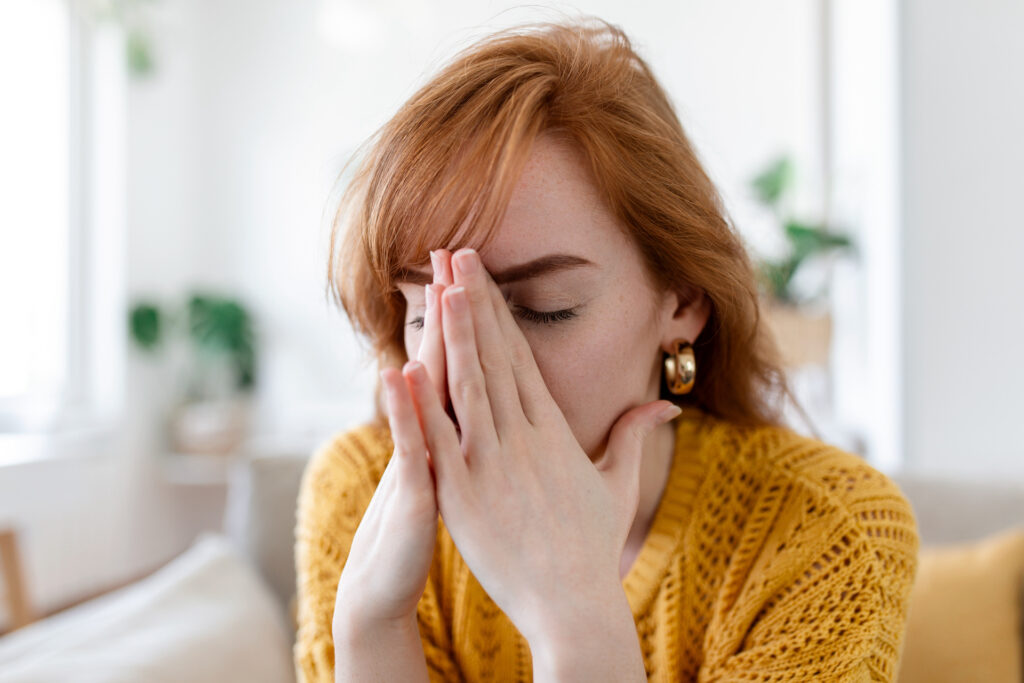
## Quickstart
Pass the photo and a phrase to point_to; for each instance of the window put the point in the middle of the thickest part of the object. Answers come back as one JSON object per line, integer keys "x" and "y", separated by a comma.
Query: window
{"x": 60, "y": 126}
{"x": 35, "y": 210}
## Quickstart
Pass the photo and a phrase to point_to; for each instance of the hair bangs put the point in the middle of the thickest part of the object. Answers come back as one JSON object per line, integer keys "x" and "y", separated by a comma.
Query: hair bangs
{"x": 452, "y": 186}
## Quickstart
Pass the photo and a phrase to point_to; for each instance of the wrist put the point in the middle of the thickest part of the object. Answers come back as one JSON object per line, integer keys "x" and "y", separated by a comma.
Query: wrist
{"x": 378, "y": 650}
{"x": 587, "y": 601}
{"x": 352, "y": 627}
{"x": 580, "y": 628}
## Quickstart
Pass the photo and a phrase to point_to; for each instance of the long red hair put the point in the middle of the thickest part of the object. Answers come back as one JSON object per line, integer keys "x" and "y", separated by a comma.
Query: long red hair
{"x": 451, "y": 155}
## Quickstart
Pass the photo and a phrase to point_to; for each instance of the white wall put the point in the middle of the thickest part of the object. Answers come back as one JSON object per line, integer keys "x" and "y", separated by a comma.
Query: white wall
{"x": 963, "y": 173}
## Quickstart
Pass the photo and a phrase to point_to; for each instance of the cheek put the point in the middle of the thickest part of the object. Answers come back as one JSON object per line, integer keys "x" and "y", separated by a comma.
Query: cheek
{"x": 568, "y": 359}
{"x": 595, "y": 370}
{"x": 584, "y": 371}
{"x": 413, "y": 337}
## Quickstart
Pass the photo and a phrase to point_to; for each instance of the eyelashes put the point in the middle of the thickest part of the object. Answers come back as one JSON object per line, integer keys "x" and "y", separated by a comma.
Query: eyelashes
{"x": 547, "y": 318}
{"x": 539, "y": 317}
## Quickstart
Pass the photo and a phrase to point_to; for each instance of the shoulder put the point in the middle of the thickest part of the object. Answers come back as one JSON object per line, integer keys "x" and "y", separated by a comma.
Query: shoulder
{"x": 869, "y": 496}
{"x": 343, "y": 472}
{"x": 846, "y": 484}
{"x": 360, "y": 452}
{"x": 823, "y": 555}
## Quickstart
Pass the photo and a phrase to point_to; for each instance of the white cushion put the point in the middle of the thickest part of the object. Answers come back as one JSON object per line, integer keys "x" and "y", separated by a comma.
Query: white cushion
{"x": 205, "y": 616}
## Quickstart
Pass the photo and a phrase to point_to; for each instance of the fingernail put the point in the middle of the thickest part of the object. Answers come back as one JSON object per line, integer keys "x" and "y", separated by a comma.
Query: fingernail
{"x": 416, "y": 370}
{"x": 467, "y": 261}
{"x": 669, "y": 413}
{"x": 457, "y": 298}
{"x": 434, "y": 262}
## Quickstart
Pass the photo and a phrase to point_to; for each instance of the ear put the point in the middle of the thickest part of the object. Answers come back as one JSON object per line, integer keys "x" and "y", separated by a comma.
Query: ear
{"x": 684, "y": 315}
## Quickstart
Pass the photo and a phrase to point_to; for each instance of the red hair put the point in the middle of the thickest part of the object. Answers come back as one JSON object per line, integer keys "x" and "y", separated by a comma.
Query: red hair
{"x": 450, "y": 157}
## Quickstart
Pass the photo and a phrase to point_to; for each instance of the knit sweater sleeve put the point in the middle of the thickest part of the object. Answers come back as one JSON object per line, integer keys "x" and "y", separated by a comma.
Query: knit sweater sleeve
{"x": 819, "y": 586}
{"x": 337, "y": 485}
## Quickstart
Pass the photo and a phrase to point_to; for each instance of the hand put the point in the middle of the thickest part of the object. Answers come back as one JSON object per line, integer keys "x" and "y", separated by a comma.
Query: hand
{"x": 540, "y": 526}
{"x": 383, "y": 581}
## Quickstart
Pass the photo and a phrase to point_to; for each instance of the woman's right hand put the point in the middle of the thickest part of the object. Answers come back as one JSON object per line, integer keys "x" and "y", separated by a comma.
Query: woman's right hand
{"x": 389, "y": 560}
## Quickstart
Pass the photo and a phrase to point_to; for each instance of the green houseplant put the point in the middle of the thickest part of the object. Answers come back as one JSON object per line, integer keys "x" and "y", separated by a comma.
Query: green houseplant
{"x": 212, "y": 415}
{"x": 804, "y": 335}
{"x": 807, "y": 241}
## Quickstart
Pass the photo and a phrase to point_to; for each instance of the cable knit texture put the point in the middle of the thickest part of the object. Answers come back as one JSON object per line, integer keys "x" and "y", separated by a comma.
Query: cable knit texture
{"x": 772, "y": 557}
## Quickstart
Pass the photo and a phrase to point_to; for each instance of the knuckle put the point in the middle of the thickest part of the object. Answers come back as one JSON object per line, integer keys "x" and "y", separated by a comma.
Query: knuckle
{"x": 491, "y": 363}
{"x": 518, "y": 358}
{"x": 403, "y": 447}
{"x": 516, "y": 442}
{"x": 470, "y": 388}
{"x": 478, "y": 296}
{"x": 639, "y": 432}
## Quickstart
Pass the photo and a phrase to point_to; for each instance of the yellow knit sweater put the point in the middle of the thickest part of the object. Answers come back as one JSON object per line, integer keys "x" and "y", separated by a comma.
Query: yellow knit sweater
{"x": 771, "y": 557}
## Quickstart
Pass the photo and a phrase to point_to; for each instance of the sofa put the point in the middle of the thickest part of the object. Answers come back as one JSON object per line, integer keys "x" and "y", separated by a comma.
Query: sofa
{"x": 224, "y": 609}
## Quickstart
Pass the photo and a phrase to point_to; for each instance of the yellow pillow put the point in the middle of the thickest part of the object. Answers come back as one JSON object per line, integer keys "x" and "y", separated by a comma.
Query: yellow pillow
{"x": 964, "y": 619}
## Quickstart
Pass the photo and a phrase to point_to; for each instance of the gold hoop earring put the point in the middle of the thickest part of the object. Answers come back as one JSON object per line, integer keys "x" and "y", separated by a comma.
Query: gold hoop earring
{"x": 680, "y": 367}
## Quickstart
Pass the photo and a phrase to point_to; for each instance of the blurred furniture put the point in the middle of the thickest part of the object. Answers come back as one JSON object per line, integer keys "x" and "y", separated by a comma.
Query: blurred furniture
{"x": 224, "y": 610}
{"x": 966, "y": 617}
{"x": 205, "y": 616}
{"x": 15, "y": 590}
{"x": 964, "y": 622}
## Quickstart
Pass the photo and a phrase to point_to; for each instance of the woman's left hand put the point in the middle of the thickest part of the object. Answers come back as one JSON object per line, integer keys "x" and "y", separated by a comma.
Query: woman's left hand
{"x": 541, "y": 527}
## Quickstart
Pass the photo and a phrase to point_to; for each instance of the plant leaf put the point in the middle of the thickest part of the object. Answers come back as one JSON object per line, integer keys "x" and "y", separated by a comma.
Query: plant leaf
{"x": 774, "y": 181}
{"x": 144, "y": 321}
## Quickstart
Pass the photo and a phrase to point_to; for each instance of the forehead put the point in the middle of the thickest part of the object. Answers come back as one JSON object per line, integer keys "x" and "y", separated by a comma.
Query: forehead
{"x": 555, "y": 208}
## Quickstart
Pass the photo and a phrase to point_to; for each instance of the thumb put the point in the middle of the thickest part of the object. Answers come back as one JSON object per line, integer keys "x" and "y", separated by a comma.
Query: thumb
{"x": 620, "y": 465}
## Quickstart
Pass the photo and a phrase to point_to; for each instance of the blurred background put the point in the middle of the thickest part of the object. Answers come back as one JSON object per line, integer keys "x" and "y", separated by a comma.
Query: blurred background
{"x": 167, "y": 169}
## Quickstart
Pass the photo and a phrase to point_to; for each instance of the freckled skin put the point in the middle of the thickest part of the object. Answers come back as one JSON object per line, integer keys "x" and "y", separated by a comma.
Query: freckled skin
{"x": 608, "y": 359}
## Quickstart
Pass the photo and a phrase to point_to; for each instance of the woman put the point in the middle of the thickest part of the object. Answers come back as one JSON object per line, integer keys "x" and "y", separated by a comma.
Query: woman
{"x": 578, "y": 385}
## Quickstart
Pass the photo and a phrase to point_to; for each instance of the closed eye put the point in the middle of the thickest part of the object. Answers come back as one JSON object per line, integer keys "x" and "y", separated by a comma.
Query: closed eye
{"x": 546, "y": 318}
{"x": 539, "y": 317}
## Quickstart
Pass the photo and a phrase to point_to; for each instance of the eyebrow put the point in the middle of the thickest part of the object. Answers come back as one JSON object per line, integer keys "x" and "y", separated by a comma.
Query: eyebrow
{"x": 545, "y": 265}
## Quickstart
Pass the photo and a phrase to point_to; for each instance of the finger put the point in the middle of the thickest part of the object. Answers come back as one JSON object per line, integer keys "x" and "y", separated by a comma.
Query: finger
{"x": 431, "y": 351}
{"x": 441, "y": 260}
{"x": 535, "y": 401}
{"x": 385, "y": 487}
{"x": 621, "y": 462}
{"x": 466, "y": 384}
{"x": 406, "y": 432}
{"x": 502, "y": 392}
{"x": 438, "y": 430}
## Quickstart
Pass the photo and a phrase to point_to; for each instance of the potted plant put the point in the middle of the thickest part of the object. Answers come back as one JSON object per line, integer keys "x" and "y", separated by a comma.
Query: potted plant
{"x": 803, "y": 330}
{"x": 213, "y": 414}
